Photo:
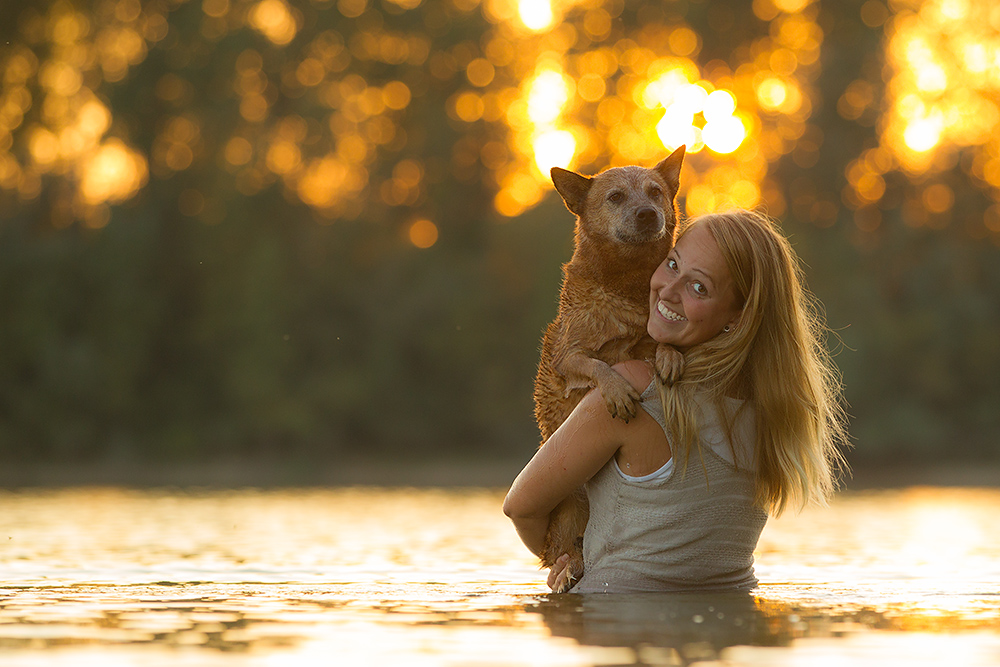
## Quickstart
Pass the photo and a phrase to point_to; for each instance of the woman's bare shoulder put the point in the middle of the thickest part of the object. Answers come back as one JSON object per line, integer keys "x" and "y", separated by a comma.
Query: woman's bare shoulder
{"x": 638, "y": 372}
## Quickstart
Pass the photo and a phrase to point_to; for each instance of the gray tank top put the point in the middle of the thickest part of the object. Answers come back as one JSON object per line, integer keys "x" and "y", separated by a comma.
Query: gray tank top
{"x": 695, "y": 529}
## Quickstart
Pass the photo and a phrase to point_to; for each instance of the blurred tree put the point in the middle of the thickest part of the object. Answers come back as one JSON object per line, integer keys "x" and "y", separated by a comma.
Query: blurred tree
{"x": 312, "y": 230}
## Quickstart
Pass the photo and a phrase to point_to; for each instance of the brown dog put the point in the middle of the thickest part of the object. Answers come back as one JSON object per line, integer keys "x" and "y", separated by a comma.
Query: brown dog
{"x": 626, "y": 219}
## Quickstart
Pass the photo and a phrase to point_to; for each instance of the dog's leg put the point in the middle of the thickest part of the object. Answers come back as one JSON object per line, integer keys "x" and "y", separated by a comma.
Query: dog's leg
{"x": 567, "y": 524}
{"x": 581, "y": 370}
{"x": 669, "y": 363}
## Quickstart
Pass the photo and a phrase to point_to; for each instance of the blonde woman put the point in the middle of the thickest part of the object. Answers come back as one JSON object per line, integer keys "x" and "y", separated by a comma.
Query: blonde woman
{"x": 680, "y": 494}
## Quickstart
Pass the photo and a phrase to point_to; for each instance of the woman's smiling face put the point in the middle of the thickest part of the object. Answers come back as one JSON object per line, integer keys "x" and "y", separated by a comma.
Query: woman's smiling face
{"x": 691, "y": 296}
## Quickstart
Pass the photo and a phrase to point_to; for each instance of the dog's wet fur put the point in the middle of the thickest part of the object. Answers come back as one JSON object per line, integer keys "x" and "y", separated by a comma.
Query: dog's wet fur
{"x": 626, "y": 224}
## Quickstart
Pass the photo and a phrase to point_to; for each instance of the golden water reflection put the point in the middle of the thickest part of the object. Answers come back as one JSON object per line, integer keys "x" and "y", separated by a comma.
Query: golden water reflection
{"x": 438, "y": 577}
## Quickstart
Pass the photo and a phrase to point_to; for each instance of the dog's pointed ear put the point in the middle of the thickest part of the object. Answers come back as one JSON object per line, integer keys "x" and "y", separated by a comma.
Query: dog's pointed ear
{"x": 572, "y": 187}
{"x": 670, "y": 168}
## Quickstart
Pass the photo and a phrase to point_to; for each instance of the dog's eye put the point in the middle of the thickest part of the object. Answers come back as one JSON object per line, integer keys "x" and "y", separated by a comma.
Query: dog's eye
{"x": 615, "y": 197}
{"x": 655, "y": 192}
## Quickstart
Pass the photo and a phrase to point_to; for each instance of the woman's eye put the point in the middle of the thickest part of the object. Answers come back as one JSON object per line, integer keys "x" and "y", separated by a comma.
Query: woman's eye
{"x": 615, "y": 197}
{"x": 672, "y": 264}
{"x": 699, "y": 289}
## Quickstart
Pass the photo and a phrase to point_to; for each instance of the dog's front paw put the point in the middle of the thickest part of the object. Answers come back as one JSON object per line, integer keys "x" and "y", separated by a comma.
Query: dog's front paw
{"x": 562, "y": 580}
{"x": 669, "y": 364}
{"x": 620, "y": 396}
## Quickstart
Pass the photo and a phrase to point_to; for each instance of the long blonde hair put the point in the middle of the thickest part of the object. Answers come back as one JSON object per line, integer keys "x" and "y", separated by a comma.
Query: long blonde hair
{"x": 775, "y": 359}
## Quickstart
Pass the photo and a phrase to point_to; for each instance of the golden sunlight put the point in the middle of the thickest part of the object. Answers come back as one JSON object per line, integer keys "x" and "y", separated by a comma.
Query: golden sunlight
{"x": 721, "y": 131}
{"x": 923, "y": 134}
{"x": 772, "y": 93}
{"x": 662, "y": 89}
{"x": 554, "y": 148}
{"x": 322, "y": 183}
{"x": 719, "y": 105}
{"x": 677, "y": 129}
{"x": 547, "y": 96}
{"x": 274, "y": 19}
{"x": 93, "y": 119}
{"x": 621, "y": 100}
{"x": 944, "y": 90}
{"x": 724, "y": 135}
{"x": 549, "y": 83}
{"x": 114, "y": 172}
{"x": 423, "y": 233}
{"x": 44, "y": 147}
{"x": 535, "y": 14}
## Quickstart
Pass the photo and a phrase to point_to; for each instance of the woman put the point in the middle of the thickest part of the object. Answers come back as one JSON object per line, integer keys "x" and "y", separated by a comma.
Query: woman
{"x": 680, "y": 495}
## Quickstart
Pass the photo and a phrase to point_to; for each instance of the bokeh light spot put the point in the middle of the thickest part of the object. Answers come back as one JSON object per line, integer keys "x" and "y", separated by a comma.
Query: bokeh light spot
{"x": 44, "y": 147}
{"x": 723, "y": 135}
{"x": 469, "y": 107}
{"x": 396, "y": 95}
{"x": 423, "y": 233}
{"x": 536, "y": 14}
{"x": 274, "y": 19}
{"x": 554, "y": 148}
{"x": 283, "y": 157}
{"x": 591, "y": 87}
{"x": 215, "y": 8}
{"x": 683, "y": 41}
{"x": 480, "y": 72}
{"x": 238, "y": 151}
{"x": 114, "y": 172}
{"x": 548, "y": 93}
{"x": 675, "y": 129}
{"x": 310, "y": 72}
{"x": 923, "y": 134}
{"x": 938, "y": 198}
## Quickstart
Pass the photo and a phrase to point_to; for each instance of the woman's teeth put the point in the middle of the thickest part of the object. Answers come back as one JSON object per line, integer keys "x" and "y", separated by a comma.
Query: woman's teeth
{"x": 669, "y": 314}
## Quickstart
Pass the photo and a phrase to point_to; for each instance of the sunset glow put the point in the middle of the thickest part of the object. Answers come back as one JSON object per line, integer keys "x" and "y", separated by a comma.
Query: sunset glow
{"x": 548, "y": 83}
{"x": 551, "y": 99}
{"x": 723, "y": 135}
{"x": 623, "y": 101}
{"x": 274, "y": 19}
{"x": 535, "y": 14}
{"x": 554, "y": 148}
{"x": 112, "y": 173}
{"x": 944, "y": 97}
{"x": 423, "y": 233}
{"x": 547, "y": 95}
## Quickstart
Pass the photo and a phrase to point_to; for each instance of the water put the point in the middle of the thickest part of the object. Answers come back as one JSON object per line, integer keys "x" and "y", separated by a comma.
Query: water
{"x": 369, "y": 576}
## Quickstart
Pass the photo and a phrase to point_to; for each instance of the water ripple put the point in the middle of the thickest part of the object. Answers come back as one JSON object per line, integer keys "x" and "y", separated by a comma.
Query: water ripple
{"x": 429, "y": 577}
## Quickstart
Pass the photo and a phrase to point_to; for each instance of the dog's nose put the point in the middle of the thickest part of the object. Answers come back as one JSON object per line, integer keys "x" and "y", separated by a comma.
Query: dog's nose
{"x": 647, "y": 218}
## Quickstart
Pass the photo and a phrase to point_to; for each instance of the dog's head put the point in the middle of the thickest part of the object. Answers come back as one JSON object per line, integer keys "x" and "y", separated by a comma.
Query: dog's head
{"x": 629, "y": 205}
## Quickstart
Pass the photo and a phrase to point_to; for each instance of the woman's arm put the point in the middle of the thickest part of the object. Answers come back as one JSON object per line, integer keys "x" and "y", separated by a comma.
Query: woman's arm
{"x": 578, "y": 449}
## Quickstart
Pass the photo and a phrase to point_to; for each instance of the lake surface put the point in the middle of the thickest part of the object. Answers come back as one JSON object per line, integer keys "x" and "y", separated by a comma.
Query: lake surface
{"x": 370, "y": 576}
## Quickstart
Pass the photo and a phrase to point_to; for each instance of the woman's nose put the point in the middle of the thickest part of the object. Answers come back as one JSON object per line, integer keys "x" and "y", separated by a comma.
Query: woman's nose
{"x": 666, "y": 286}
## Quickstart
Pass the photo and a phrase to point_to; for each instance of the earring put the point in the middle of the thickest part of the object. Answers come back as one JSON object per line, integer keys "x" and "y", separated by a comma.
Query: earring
{"x": 726, "y": 328}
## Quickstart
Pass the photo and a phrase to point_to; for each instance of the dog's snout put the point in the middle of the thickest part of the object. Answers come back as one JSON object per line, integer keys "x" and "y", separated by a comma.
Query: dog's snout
{"x": 647, "y": 218}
